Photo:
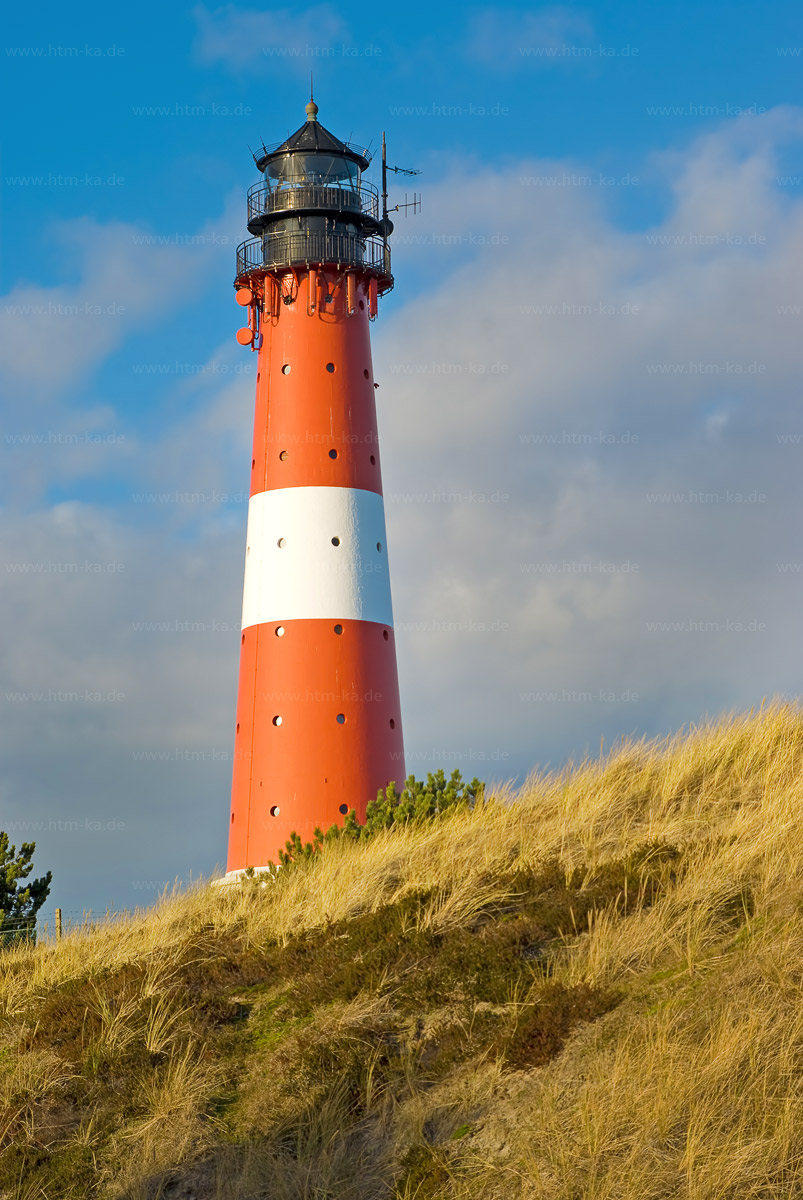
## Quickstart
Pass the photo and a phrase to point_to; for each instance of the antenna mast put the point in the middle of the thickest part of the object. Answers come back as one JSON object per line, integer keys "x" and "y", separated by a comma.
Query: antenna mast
{"x": 414, "y": 204}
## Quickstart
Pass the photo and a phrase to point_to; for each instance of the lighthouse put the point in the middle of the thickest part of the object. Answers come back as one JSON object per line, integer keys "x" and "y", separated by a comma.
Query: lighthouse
{"x": 318, "y": 724}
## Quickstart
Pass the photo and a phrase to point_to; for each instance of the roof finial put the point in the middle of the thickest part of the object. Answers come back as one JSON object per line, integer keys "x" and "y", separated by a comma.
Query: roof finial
{"x": 312, "y": 107}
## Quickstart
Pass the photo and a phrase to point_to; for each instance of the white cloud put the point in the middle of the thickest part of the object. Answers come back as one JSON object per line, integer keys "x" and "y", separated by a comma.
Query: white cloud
{"x": 505, "y": 38}
{"x": 53, "y": 335}
{"x": 239, "y": 37}
{"x": 119, "y": 680}
{"x": 707, "y": 337}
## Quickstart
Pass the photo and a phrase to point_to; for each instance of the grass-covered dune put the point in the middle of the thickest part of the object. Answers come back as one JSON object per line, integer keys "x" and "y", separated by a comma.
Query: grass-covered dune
{"x": 592, "y": 989}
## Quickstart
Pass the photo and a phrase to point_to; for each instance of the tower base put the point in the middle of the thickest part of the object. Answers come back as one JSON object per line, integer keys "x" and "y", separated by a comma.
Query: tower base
{"x": 231, "y": 878}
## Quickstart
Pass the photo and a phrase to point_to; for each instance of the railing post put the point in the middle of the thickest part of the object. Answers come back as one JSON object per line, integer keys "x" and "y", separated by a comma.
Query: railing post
{"x": 58, "y": 924}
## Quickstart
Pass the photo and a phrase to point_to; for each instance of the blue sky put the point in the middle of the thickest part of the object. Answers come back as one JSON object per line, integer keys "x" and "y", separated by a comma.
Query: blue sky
{"x": 589, "y": 397}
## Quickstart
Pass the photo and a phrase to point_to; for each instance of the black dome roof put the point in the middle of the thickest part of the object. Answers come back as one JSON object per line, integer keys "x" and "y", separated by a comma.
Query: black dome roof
{"x": 312, "y": 138}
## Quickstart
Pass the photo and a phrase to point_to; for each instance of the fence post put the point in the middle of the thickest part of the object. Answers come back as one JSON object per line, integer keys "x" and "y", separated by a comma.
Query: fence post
{"x": 58, "y": 924}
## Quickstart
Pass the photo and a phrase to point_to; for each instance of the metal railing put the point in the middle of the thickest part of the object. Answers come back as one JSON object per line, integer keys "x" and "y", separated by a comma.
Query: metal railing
{"x": 277, "y": 250}
{"x": 263, "y": 200}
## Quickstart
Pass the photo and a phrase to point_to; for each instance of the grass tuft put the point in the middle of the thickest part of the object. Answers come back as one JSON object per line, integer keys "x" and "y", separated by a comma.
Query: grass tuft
{"x": 590, "y": 988}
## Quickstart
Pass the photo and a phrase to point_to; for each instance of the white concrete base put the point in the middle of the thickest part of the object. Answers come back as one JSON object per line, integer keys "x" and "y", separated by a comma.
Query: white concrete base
{"x": 245, "y": 875}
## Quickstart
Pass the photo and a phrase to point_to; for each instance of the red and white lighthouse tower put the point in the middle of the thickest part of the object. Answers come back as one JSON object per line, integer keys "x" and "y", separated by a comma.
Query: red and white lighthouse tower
{"x": 318, "y": 721}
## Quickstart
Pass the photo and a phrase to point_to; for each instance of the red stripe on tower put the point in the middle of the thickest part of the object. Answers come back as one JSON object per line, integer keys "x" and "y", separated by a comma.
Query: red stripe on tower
{"x": 318, "y": 721}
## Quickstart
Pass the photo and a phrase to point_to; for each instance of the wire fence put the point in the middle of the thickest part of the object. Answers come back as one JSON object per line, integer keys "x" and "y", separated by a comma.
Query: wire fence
{"x": 17, "y": 932}
{"x": 52, "y": 924}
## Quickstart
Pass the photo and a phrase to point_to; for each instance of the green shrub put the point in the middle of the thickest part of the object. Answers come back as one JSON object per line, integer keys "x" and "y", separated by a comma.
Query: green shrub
{"x": 416, "y": 803}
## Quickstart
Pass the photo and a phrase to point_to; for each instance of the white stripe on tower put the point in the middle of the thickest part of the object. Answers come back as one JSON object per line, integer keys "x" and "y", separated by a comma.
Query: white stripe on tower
{"x": 316, "y": 552}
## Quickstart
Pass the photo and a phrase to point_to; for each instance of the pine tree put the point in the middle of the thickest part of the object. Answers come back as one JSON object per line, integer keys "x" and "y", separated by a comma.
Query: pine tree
{"x": 19, "y": 901}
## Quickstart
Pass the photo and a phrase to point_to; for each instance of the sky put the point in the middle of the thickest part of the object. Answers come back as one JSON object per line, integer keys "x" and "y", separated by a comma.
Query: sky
{"x": 589, "y": 401}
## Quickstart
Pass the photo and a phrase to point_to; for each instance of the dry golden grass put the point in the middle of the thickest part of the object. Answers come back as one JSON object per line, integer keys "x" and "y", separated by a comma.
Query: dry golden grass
{"x": 691, "y": 1086}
